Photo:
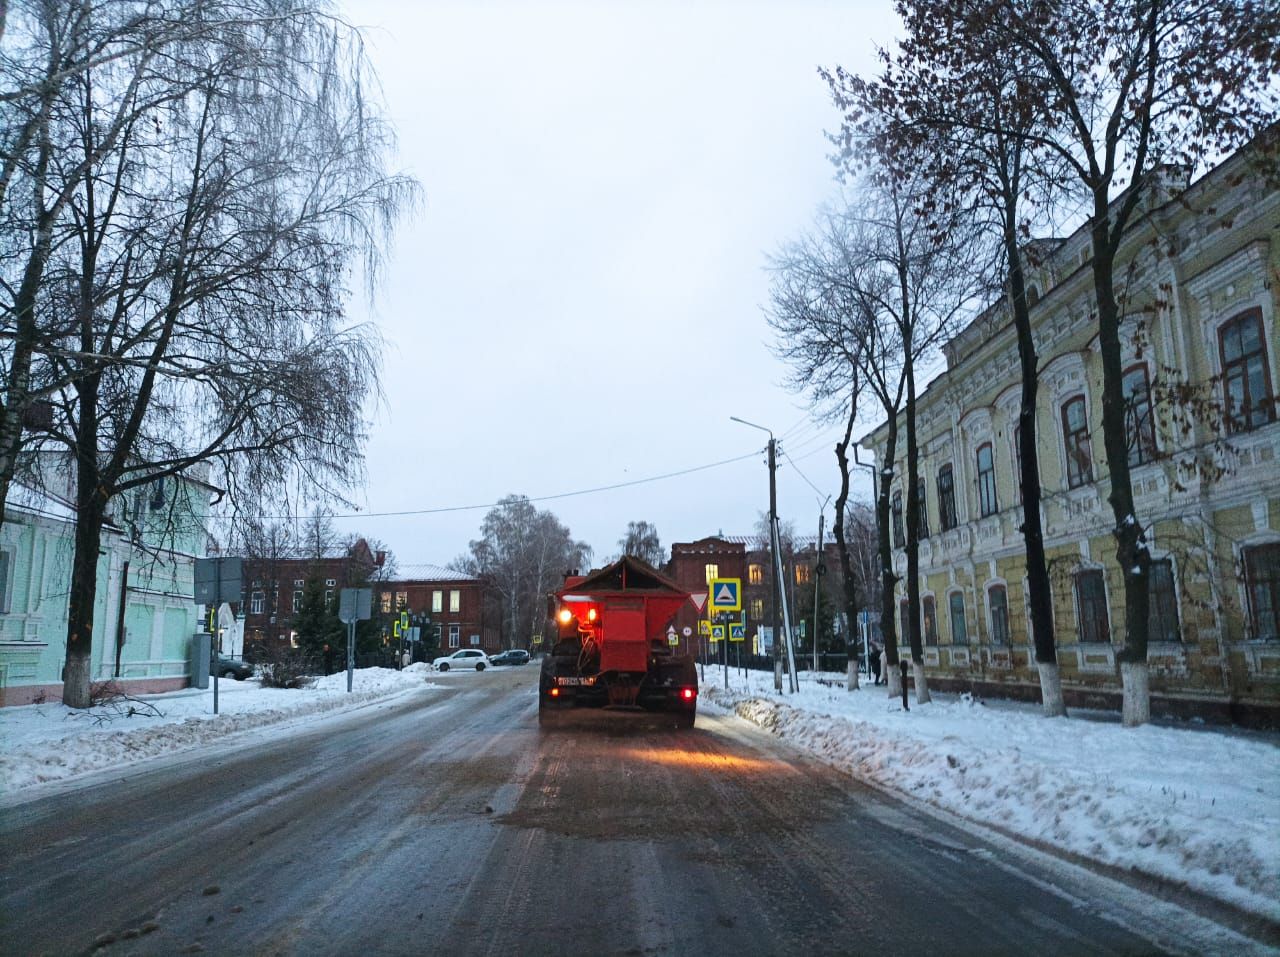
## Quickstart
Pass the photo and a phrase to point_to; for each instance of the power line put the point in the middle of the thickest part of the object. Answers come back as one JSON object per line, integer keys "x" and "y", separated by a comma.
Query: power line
{"x": 815, "y": 488}
{"x": 543, "y": 498}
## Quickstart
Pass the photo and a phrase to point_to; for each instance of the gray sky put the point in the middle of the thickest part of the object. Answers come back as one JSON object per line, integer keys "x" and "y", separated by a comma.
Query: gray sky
{"x": 578, "y": 304}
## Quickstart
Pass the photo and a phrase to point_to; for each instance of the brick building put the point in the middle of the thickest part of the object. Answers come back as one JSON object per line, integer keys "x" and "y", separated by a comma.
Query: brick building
{"x": 452, "y": 600}
{"x": 273, "y": 590}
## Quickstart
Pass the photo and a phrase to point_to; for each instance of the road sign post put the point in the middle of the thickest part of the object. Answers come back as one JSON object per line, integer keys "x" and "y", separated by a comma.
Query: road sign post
{"x": 354, "y": 604}
{"x": 217, "y": 580}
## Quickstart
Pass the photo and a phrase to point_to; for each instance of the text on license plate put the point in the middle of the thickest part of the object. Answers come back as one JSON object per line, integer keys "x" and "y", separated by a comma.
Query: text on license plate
{"x": 590, "y": 680}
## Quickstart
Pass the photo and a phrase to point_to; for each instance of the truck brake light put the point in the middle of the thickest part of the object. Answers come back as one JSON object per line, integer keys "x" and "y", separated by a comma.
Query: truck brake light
{"x": 554, "y": 692}
{"x": 688, "y": 693}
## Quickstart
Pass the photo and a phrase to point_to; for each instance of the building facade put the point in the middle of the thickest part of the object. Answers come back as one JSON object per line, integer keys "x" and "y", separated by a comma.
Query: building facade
{"x": 1199, "y": 290}
{"x": 453, "y": 602}
{"x": 144, "y": 611}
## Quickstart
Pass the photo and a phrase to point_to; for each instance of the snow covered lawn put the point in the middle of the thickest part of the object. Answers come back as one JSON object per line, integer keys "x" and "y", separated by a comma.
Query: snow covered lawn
{"x": 1192, "y": 805}
{"x": 50, "y": 742}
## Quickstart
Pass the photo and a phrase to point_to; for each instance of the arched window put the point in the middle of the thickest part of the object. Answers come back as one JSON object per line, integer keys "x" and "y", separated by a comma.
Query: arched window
{"x": 998, "y": 606}
{"x": 1139, "y": 423}
{"x": 1075, "y": 440}
{"x": 897, "y": 520}
{"x": 946, "y": 498}
{"x": 987, "y": 504}
{"x": 1246, "y": 380}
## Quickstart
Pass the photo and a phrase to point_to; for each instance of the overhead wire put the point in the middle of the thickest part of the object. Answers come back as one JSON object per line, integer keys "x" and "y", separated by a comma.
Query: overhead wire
{"x": 546, "y": 498}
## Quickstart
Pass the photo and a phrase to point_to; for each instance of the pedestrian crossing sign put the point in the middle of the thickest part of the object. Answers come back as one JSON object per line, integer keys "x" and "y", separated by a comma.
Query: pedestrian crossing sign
{"x": 737, "y": 632}
{"x": 717, "y": 632}
{"x": 726, "y": 594}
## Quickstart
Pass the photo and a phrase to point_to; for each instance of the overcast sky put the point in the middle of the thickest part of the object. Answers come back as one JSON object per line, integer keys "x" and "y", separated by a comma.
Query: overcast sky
{"x": 578, "y": 303}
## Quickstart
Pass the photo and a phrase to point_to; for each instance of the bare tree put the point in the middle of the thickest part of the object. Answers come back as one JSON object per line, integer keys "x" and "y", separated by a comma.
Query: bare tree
{"x": 963, "y": 123}
{"x": 642, "y": 542}
{"x": 522, "y": 554}
{"x": 192, "y": 298}
{"x": 1132, "y": 87}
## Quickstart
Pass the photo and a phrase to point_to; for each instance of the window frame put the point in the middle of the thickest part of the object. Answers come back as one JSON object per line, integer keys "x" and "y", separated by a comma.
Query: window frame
{"x": 999, "y": 634}
{"x": 1157, "y": 625}
{"x": 988, "y": 499}
{"x": 928, "y": 621}
{"x": 1266, "y": 405}
{"x": 755, "y": 574}
{"x": 1271, "y": 583}
{"x": 711, "y": 570}
{"x": 947, "y": 518}
{"x": 1135, "y": 430}
{"x": 257, "y": 602}
{"x": 455, "y": 636}
{"x": 437, "y": 600}
{"x": 1089, "y": 617}
{"x": 895, "y": 509}
{"x": 1076, "y": 440}
{"x": 951, "y": 618}
{"x": 455, "y": 601}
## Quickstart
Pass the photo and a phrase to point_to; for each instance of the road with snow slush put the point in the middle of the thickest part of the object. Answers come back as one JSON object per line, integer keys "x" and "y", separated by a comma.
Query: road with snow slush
{"x": 446, "y": 822}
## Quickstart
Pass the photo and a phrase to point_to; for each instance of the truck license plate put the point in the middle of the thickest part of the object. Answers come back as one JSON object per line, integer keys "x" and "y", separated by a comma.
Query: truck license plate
{"x": 576, "y": 681}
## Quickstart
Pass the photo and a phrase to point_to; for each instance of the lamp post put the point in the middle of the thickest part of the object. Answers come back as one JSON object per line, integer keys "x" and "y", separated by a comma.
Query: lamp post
{"x": 818, "y": 568}
{"x": 779, "y": 596}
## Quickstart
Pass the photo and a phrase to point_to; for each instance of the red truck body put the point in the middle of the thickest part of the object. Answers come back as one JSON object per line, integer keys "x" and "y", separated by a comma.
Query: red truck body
{"x": 611, "y": 649}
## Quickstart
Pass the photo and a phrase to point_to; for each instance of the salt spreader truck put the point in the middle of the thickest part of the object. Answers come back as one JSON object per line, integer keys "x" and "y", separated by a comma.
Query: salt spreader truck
{"x": 611, "y": 649}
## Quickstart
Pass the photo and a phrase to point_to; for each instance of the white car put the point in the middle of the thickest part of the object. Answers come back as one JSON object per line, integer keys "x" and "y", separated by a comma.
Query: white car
{"x": 465, "y": 658}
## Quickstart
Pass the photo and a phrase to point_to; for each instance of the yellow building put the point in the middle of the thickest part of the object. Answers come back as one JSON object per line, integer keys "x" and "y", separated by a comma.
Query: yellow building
{"x": 1198, "y": 282}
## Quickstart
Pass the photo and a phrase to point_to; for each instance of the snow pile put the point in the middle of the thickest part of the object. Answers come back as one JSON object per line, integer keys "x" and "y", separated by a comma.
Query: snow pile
{"x": 50, "y": 742}
{"x": 1190, "y": 805}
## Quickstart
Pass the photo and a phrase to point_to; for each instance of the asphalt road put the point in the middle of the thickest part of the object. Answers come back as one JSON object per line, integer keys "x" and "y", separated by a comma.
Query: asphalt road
{"x": 448, "y": 823}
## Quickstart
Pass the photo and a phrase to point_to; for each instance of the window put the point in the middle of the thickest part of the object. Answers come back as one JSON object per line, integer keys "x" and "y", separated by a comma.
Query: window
{"x": 1017, "y": 463}
{"x": 297, "y": 601}
{"x": 1246, "y": 382}
{"x": 1162, "y": 612}
{"x": 712, "y": 571}
{"x": 904, "y": 621}
{"x": 1262, "y": 579}
{"x": 386, "y": 602}
{"x": 328, "y": 598}
{"x": 455, "y": 635}
{"x": 922, "y": 511}
{"x": 475, "y": 640}
{"x": 437, "y": 601}
{"x": 998, "y": 605}
{"x": 298, "y": 583}
{"x": 1139, "y": 423}
{"x": 1091, "y": 606}
{"x": 959, "y": 633}
{"x": 402, "y": 600}
{"x": 755, "y": 575}
{"x": 330, "y": 582}
{"x": 1075, "y": 441}
{"x": 897, "y": 519}
{"x": 757, "y": 608}
{"x": 802, "y": 574}
{"x": 930, "y": 620}
{"x": 455, "y": 600}
{"x": 987, "y": 504}
{"x": 157, "y": 495}
{"x": 946, "y": 498}
{"x": 5, "y": 563}
{"x": 256, "y": 601}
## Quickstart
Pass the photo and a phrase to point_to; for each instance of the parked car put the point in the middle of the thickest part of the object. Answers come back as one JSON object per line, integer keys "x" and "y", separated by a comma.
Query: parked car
{"x": 232, "y": 668}
{"x": 463, "y": 658}
{"x": 515, "y": 656}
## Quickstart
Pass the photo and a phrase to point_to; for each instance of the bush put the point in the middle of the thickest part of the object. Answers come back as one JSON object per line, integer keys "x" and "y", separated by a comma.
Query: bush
{"x": 287, "y": 668}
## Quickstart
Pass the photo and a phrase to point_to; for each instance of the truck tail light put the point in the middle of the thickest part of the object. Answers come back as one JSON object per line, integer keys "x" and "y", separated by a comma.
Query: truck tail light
{"x": 688, "y": 693}
{"x": 554, "y": 692}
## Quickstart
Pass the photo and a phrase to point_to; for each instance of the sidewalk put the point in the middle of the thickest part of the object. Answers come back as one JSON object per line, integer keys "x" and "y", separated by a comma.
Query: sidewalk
{"x": 41, "y": 743}
{"x": 1196, "y": 806}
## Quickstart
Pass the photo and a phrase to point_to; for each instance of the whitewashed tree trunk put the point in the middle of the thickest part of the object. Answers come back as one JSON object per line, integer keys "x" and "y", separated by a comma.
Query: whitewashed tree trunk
{"x": 1136, "y": 681}
{"x": 892, "y": 680}
{"x": 922, "y": 684}
{"x": 853, "y": 674}
{"x": 777, "y": 674}
{"x": 1051, "y": 690}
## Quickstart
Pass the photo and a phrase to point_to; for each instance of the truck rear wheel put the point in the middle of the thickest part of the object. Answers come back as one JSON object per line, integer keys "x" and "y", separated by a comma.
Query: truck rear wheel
{"x": 684, "y": 719}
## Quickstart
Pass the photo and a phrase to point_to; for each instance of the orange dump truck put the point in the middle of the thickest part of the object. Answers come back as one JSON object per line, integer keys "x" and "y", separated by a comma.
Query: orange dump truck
{"x": 610, "y": 648}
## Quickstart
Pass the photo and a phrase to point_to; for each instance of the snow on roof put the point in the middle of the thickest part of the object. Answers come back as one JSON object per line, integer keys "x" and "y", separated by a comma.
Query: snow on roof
{"x": 432, "y": 573}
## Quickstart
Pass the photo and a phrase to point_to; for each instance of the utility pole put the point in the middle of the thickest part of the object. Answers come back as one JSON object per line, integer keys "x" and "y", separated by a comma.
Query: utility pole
{"x": 773, "y": 540}
{"x": 817, "y": 577}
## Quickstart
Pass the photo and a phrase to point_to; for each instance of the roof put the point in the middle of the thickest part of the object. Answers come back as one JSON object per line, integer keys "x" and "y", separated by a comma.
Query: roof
{"x": 627, "y": 574}
{"x": 425, "y": 572}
